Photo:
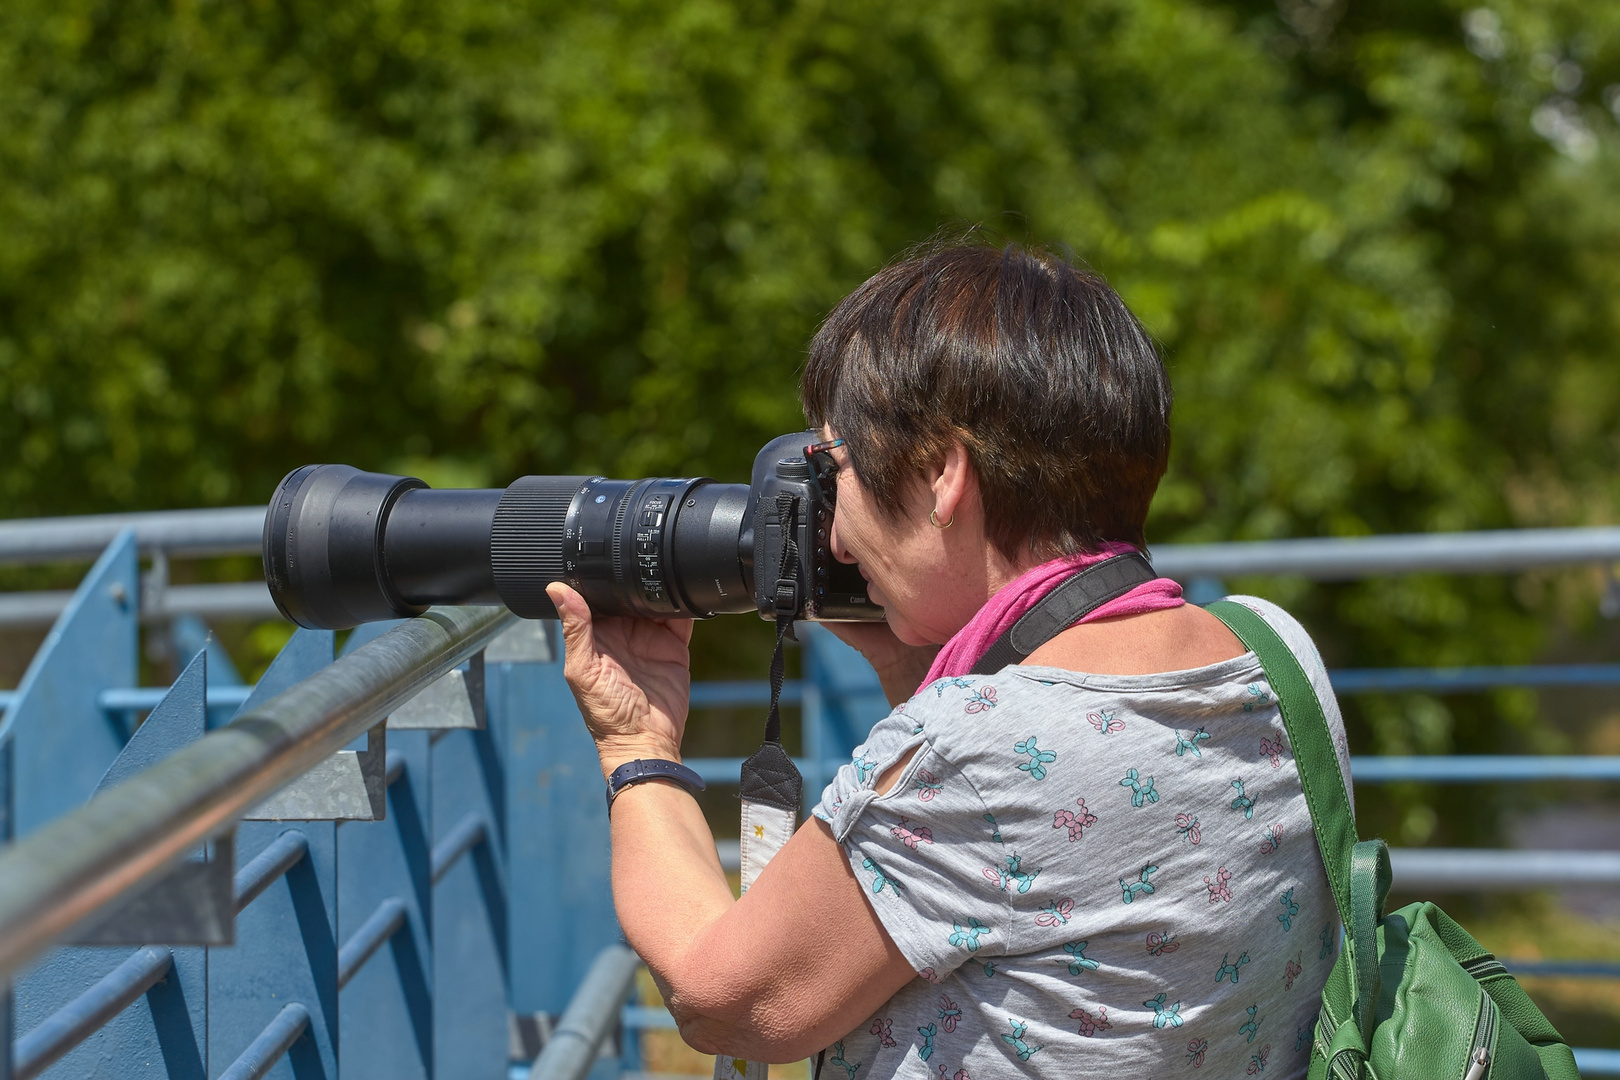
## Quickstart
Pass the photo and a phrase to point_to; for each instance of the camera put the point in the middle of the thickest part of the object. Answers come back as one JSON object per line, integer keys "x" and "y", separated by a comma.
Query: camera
{"x": 344, "y": 547}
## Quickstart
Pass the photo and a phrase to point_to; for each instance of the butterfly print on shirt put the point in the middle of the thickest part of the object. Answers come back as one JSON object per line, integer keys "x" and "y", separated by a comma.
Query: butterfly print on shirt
{"x": 910, "y": 837}
{"x": 949, "y": 1014}
{"x": 1158, "y": 944}
{"x": 1105, "y": 723}
{"x": 983, "y": 699}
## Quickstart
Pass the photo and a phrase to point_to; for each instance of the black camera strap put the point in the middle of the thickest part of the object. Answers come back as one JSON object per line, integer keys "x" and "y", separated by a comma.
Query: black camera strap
{"x": 769, "y": 777}
{"x": 1064, "y": 606}
{"x": 771, "y": 788}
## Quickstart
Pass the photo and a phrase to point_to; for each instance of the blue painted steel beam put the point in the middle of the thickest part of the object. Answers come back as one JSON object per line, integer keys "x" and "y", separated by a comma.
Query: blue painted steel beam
{"x": 646, "y": 1018}
{"x": 465, "y": 835}
{"x": 274, "y": 1041}
{"x": 1457, "y": 680}
{"x": 393, "y": 767}
{"x": 1562, "y": 969}
{"x": 386, "y": 1030}
{"x": 84, "y": 1015}
{"x": 757, "y": 692}
{"x": 1482, "y": 768}
{"x": 384, "y": 923}
{"x": 739, "y": 692}
{"x": 61, "y": 743}
{"x": 1433, "y": 769}
{"x": 1499, "y": 870}
{"x": 141, "y": 699}
{"x": 1592, "y": 1062}
{"x": 286, "y": 939}
{"x": 146, "y": 698}
{"x": 725, "y": 771}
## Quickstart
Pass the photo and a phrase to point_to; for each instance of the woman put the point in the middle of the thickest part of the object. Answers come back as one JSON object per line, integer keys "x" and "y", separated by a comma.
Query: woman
{"x": 1095, "y": 862}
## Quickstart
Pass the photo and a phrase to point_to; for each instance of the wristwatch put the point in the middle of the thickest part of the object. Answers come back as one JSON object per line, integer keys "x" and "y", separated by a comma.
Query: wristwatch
{"x": 634, "y": 772}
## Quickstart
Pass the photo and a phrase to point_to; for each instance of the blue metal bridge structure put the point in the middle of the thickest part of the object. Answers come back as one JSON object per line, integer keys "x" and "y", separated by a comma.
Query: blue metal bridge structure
{"x": 390, "y": 859}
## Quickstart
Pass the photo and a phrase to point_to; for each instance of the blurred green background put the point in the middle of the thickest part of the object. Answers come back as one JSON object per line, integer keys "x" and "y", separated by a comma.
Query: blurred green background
{"x": 1379, "y": 243}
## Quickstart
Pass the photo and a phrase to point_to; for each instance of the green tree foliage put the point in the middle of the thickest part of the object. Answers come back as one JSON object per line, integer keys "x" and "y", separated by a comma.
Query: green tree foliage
{"x": 489, "y": 237}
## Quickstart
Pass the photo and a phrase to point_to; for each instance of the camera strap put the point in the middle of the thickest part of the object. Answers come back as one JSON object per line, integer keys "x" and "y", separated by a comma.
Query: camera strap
{"x": 772, "y": 789}
{"x": 1064, "y": 606}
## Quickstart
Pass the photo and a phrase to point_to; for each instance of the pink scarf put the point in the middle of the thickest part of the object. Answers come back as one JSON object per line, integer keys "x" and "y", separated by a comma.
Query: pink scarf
{"x": 1028, "y": 589}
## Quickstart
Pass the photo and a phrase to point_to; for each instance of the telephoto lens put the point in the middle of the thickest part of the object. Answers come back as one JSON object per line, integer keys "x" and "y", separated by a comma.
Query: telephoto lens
{"x": 343, "y": 547}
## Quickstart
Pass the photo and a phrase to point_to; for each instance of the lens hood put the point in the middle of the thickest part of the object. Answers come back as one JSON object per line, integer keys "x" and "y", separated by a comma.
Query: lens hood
{"x": 323, "y": 552}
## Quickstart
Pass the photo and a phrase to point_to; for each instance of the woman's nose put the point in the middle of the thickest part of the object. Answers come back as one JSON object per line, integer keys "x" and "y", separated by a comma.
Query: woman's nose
{"x": 835, "y": 543}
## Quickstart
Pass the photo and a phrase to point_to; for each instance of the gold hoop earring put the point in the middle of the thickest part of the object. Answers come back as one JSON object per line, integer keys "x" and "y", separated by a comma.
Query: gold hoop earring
{"x": 935, "y": 520}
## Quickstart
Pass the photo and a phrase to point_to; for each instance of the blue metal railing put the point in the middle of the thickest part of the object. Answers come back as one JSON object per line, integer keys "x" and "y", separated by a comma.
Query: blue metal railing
{"x": 431, "y": 924}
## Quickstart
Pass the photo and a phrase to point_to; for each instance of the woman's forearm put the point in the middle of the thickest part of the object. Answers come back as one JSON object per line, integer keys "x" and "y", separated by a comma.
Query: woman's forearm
{"x": 670, "y": 891}
{"x": 667, "y": 881}
{"x": 901, "y": 678}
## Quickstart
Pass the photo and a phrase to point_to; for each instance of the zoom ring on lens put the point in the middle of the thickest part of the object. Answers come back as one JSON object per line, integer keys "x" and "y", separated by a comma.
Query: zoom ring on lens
{"x": 526, "y": 541}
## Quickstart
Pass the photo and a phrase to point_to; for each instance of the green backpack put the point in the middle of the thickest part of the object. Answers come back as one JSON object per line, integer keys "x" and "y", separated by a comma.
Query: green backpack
{"x": 1412, "y": 995}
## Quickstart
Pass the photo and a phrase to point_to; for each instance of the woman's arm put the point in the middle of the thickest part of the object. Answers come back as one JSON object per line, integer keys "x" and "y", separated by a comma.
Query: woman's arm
{"x": 796, "y": 963}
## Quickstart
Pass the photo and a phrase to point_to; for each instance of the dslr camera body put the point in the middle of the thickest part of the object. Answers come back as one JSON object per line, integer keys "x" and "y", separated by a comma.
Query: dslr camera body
{"x": 343, "y": 547}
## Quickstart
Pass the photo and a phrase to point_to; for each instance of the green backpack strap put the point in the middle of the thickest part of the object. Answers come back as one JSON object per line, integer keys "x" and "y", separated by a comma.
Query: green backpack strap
{"x": 1369, "y": 887}
{"x": 1358, "y": 872}
{"x": 1318, "y": 763}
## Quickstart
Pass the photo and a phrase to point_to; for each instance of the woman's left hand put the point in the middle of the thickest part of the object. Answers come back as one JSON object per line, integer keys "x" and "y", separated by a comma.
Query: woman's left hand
{"x": 631, "y": 677}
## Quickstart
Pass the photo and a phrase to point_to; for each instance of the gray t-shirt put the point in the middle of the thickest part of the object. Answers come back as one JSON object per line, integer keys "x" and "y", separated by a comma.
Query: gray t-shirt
{"x": 1093, "y": 875}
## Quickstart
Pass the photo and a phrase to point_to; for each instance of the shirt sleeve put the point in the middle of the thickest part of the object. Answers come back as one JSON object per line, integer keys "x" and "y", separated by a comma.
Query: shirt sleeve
{"x": 918, "y": 850}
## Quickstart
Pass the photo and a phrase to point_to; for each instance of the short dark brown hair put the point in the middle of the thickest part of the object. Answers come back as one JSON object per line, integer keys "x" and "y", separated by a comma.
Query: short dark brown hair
{"x": 1035, "y": 364}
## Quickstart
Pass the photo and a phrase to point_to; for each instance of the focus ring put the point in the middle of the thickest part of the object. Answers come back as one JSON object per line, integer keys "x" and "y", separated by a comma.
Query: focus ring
{"x": 526, "y": 541}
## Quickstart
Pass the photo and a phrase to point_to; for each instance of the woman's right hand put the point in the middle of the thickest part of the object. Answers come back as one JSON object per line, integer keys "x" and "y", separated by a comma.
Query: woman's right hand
{"x": 901, "y": 668}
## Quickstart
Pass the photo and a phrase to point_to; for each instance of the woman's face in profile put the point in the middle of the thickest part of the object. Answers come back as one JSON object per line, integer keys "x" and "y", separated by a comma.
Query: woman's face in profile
{"x": 901, "y": 556}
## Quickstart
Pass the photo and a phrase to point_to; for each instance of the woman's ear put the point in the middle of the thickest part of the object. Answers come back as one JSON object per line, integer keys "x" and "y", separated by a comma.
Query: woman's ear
{"x": 951, "y": 484}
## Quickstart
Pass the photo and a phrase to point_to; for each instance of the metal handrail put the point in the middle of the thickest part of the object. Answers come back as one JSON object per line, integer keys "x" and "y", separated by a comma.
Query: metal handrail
{"x": 229, "y": 600}
{"x": 1346, "y": 558}
{"x": 231, "y": 530}
{"x": 591, "y": 1016}
{"x": 84, "y": 861}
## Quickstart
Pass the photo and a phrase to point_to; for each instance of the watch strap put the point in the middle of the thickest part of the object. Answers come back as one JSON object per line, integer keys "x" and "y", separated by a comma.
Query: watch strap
{"x": 634, "y": 772}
